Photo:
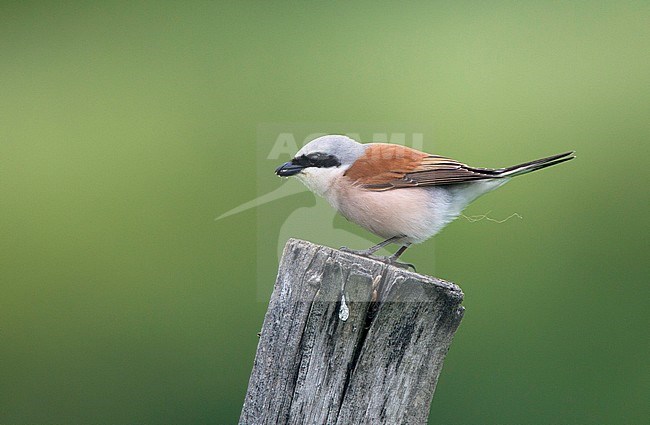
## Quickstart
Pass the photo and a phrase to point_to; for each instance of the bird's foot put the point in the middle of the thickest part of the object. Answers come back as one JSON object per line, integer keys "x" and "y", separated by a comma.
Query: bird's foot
{"x": 393, "y": 262}
{"x": 390, "y": 260}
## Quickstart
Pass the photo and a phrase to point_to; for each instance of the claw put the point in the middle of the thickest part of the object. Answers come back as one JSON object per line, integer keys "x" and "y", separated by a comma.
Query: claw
{"x": 393, "y": 262}
{"x": 404, "y": 266}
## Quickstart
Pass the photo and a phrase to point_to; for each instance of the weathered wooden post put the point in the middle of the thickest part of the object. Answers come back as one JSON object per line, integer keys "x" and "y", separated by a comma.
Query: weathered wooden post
{"x": 349, "y": 340}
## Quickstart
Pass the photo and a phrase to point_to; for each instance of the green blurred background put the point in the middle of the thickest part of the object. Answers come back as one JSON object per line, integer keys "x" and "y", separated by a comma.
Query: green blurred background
{"x": 127, "y": 127}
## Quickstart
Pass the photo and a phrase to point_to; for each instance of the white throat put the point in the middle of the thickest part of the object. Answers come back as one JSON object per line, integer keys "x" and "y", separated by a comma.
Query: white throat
{"x": 320, "y": 180}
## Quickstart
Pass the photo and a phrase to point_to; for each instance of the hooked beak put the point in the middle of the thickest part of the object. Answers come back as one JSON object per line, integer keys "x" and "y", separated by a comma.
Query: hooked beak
{"x": 288, "y": 169}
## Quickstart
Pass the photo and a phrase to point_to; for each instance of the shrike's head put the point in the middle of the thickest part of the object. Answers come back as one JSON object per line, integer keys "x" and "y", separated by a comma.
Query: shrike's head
{"x": 322, "y": 160}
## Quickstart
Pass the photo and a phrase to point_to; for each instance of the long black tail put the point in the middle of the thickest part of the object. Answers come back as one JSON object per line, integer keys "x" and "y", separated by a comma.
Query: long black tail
{"x": 538, "y": 164}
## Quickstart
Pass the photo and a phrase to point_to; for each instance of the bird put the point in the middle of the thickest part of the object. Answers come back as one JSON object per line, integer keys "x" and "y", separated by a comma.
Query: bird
{"x": 396, "y": 192}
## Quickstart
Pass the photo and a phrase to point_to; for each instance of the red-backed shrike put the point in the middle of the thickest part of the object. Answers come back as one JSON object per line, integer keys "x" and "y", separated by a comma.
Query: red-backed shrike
{"x": 396, "y": 192}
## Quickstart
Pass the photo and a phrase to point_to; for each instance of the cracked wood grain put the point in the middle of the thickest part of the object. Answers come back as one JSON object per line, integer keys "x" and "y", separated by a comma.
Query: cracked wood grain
{"x": 381, "y": 365}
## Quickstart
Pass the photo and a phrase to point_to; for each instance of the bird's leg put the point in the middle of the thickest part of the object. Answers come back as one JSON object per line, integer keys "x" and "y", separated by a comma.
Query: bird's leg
{"x": 399, "y": 252}
{"x": 368, "y": 252}
{"x": 393, "y": 258}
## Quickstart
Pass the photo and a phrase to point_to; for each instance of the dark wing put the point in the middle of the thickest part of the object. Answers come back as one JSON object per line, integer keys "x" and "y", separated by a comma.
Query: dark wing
{"x": 437, "y": 171}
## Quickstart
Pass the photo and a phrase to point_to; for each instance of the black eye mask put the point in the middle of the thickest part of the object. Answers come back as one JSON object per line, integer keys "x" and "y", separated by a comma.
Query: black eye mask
{"x": 316, "y": 159}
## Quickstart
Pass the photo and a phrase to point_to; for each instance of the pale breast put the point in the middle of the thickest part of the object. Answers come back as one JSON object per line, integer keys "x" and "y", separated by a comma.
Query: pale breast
{"x": 417, "y": 213}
